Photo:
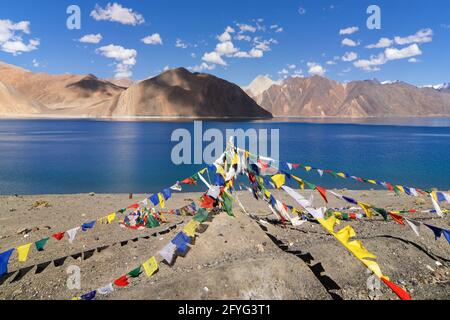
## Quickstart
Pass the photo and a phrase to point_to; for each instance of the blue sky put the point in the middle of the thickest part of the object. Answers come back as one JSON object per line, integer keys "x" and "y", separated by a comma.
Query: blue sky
{"x": 278, "y": 38}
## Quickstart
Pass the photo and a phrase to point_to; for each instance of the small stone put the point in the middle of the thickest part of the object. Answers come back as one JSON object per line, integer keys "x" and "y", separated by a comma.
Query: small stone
{"x": 92, "y": 194}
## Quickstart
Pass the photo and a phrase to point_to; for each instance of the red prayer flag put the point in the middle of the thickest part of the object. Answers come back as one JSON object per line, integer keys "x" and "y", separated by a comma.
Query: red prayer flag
{"x": 189, "y": 181}
{"x": 389, "y": 186}
{"x": 133, "y": 206}
{"x": 207, "y": 202}
{"x": 295, "y": 165}
{"x": 397, "y": 218}
{"x": 402, "y": 294}
{"x": 58, "y": 236}
{"x": 122, "y": 281}
{"x": 323, "y": 192}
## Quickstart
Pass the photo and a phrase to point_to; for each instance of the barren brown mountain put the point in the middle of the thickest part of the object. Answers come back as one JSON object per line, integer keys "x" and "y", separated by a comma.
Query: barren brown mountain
{"x": 321, "y": 97}
{"x": 178, "y": 92}
{"x": 59, "y": 92}
{"x": 13, "y": 103}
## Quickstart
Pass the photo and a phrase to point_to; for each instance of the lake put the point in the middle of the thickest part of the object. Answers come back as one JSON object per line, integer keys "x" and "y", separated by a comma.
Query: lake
{"x": 79, "y": 156}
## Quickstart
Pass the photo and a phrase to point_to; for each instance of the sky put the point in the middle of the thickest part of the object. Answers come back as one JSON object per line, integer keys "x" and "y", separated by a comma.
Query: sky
{"x": 234, "y": 40}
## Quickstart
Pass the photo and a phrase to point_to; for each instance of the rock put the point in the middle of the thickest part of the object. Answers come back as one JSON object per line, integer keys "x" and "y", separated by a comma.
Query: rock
{"x": 92, "y": 194}
{"x": 40, "y": 204}
{"x": 23, "y": 230}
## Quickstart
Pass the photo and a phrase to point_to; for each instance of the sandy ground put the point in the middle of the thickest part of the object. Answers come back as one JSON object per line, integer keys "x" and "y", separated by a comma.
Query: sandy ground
{"x": 231, "y": 258}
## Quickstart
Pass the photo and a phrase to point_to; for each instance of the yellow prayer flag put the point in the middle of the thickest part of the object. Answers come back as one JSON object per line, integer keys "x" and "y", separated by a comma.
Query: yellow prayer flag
{"x": 235, "y": 159}
{"x": 329, "y": 223}
{"x": 111, "y": 217}
{"x": 372, "y": 181}
{"x": 341, "y": 174}
{"x": 22, "y": 252}
{"x": 401, "y": 189}
{"x": 300, "y": 182}
{"x": 203, "y": 171}
{"x": 76, "y": 298}
{"x": 162, "y": 202}
{"x": 308, "y": 168}
{"x": 150, "y": 266}
{"x": 434, "y": 195}
{"x": 190, "y": 228}
{"x": 220, "y": 170}
{"x": 366, "y": 207}
{"x": 279, "y": 180}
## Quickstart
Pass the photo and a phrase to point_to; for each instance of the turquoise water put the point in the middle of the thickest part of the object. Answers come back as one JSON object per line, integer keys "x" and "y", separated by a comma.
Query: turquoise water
{"x": 78, "y": 156}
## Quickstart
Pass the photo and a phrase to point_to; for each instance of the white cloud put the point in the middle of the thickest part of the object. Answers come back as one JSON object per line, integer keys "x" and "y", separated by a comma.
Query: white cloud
{"x": 213, "y": 57}
{"x": 349, "y": 42}
{"x": 283, "y": 71}
{"x": 125, "y": 59}
{"x": 382, "y": 43}
{"x": 301, "y": 11}
{"x": 413, "y": 60}
{"x": 153, "y": 39}
{"x": 291, "y": 66}
{"x": 224, "y": 37}
{"x": 229, "y": 30}
{"x": 36, "y": 63}
{"x": 349, "y": 30}
{"x": 350, "y": 56}
{"x": 242, "y": 37}
{"x": 180, "y": 44}
{"x": 371, "y": 64}
{"x": 116, "y": 13}
{"x": 246, "y": 28}
{"x": 330, "y": 62}
{"x": 276, "y": 28}
{"x": 315, "y": 69}
{"x": 91, "y": 38}
{"x": 226, "y": 48}
{"x": 408, "y": 52}
{"x": 421, "y": 36}
{"x": 203, "y": 66}
{"x": 11, "y": 37}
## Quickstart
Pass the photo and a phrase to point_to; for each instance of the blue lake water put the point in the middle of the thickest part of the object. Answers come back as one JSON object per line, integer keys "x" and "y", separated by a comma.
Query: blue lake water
{"x": 78, "y": 156}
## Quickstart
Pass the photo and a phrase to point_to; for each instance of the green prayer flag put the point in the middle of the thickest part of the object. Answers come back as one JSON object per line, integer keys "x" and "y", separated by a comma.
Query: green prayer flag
{"x": 227, "y": 204}
{"x": 201, "y": 216}
{"x": 41, "y": 244}
{"x": 152, "y": 222}
{"x": 381, "y": 212}
{"x": 135, "y": 273}
{"x": 195, "y": 177}
{"x": 310, "y": 185}
{"x": 122, "y": 210}
{"x": 397, "y": 190}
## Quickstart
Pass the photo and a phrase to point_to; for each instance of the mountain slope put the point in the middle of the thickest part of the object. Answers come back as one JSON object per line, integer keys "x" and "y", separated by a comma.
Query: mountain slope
{"x": 59, "y": 91}
{"x": 180, "y": 93}
{"x": 321, "y": 97}
{"x": 13, "y": 103}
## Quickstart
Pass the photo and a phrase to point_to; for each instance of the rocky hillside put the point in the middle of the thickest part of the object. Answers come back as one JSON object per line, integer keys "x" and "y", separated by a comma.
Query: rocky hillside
{"x": 321, "y": 97}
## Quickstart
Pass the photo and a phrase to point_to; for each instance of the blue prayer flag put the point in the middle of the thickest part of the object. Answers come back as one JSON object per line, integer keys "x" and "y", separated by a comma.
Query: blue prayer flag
{"x": 88, "y": 225}
{"x": 4, "y": 259}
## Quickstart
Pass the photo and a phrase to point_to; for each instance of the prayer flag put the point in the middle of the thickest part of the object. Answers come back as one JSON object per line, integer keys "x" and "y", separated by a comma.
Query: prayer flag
{"x": 414, "y": 225}
{"x": 88, "y": 225}
{"x": 106, "y": 289}
{"x": 4, "y": 260}
{"x": 181, "y": 241}
{"x": 201, "y": 216}
{"x": 22, "y": 252}
{"x": 168, "y": 252}
{"x": 89, "y": 296}
{"x": 150, "y": 266}
{"x": 162, "y": 202}
{"x": 279, "y": 180}
{"x": 72, "y": 233}
{"x": 154, "y": 199}
{"x": 436, "y": 230}
{"x": 58, "y": 236}
{"x": 397, "y": 218}
{"x": 122, "y": 281}
{"x": 41, "y": 244}
{"x": 135, "y": 272}
{"x": 167, "y": 194}
{"x": 190, "y": 228}
{"x": 227, "y": 204}
{"x": 323, "y": 192}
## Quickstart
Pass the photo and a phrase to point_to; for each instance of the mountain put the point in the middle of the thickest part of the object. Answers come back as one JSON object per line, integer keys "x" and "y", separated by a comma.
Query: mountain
{"x": 260, "y": 84}
{"x": 13, "y": 103}
{"x": 321, "y": 97}
{"x": 59, "y": 92}
{"x": 121, "y": 82}
{"x": 178, "y": 92}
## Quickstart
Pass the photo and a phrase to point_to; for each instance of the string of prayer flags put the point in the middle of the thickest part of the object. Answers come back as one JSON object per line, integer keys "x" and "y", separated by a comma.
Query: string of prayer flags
{"x": 22, "y": 252}
{"x": 4, "y": 260}
{"x": 150, "y": 266}
{"x": 58, "y": 236}
{"x": 88, "y": 225}
{"x": 41, "y": 244}
{"x": 72, "y": 234}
